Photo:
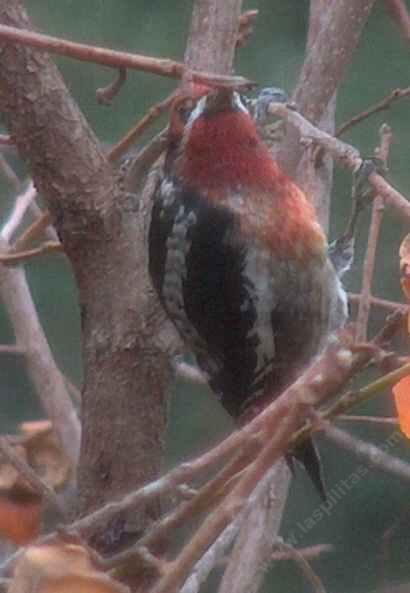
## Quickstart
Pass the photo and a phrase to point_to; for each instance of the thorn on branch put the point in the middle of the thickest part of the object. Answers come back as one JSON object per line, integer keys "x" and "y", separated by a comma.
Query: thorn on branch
{"x": 105, "y": 95}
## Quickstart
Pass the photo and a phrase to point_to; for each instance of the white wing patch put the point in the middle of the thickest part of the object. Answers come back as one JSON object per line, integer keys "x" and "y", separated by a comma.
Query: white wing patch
{"x": 175, "y": 272}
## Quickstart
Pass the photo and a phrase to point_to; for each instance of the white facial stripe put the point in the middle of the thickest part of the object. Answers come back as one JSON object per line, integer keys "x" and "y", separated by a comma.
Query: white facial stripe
{"x": 200, "y": 107}
{"x": 237, "y": 102}
{"x": 197, "y": 111}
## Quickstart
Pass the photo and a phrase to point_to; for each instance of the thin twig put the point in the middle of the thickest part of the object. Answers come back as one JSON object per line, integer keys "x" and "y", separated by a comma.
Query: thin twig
{"x": 237, "y": 441}
{"x": 21, "y": 205}
{"x": 28, "y": 254}
{"x": 211, "y": 558}
{"x": 135, "y": 132}
{"x": 344, "y": 153}
{"x": 310, "y": 552}
{"x": 302, "y": 562}
{"x": 370, "y": 419}
{"x": 9, "y": 173}
{"x": 41, "y": 366}
{"x": 33, "y": 231}
{"x": 382, "y": 105}
{"x": 368, "y": 269}
{"x": 370, "y": 454}
{"x": 30, "y": 476}
{"x": 373, "y": 238}
{"x": 383, "y": 303}
{"x": 145, "y": 159}
{"x": 352, "y": 399}
{"x": 324, "y": 376}
{"x": 116, "y": 59}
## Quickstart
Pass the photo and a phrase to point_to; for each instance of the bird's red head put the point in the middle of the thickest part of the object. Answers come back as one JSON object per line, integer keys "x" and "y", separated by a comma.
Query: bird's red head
{"x": 221, "y": 154}
{"x": 221, "y": 146}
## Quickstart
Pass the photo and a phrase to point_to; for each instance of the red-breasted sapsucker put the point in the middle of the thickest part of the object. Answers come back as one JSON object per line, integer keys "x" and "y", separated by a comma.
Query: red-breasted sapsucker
{"x": 238, "y": 258}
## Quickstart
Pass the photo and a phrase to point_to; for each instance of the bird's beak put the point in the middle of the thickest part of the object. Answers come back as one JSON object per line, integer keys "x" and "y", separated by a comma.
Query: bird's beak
{"x": 219, "y": 100}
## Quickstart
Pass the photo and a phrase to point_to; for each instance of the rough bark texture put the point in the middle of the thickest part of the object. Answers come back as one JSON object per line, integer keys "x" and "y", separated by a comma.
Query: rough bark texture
{"x": 125, "y": 347}
{"x": 212, "y": 38}
{"x": 315, "y": 175}
{"x": 126, "y": 368}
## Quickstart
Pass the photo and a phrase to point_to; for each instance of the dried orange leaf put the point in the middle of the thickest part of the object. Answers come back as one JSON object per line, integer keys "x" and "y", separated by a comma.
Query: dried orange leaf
{"x": 60, "y": 568}
{"x": 20, "y": 516}
{"x": 401, "y": 393}
{"x": 44, "y": 453}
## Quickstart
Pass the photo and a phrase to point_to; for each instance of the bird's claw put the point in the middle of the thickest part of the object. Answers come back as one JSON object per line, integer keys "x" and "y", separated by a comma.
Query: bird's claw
{"x": 259, "y": 106}
{"x": 362, "y": 191}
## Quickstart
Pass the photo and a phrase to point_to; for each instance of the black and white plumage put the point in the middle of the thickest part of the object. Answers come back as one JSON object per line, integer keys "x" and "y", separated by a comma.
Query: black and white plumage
{"x": 239, "y": 261}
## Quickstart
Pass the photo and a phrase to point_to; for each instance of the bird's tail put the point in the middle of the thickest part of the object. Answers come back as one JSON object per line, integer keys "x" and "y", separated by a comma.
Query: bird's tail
{"x": 308, "y": 455}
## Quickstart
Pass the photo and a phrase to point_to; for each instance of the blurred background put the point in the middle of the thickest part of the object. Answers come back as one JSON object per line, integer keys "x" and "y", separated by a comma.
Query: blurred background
{"x": 358, "y": 522}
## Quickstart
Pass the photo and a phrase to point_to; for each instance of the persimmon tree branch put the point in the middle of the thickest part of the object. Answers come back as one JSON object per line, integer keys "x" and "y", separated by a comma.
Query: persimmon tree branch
{"x": 325, "y": 377}
{"x": 115, "y": 59}
{"x": 47, "y": 379}
{"x": 382, "y": 105}
{"x": 124, "y": 346}
{"x": 275, "y": 425}
{"x": 324, "y": 68}
{"x": 372, "y": 241}
{"x": 343, "y": 153}
{"x": 372, "y": 455}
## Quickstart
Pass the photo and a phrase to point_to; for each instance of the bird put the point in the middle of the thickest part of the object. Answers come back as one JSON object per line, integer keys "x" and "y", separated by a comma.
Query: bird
{"x": 239, "y": 260}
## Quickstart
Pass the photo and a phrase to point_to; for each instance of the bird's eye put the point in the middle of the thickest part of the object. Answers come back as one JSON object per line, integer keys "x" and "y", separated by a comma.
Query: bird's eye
{"x": 185, "y": 109}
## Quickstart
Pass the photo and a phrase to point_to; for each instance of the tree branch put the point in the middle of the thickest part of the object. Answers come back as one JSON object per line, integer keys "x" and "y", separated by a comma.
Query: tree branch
{"x": 124, "y": 346}
{"x": 116, "y": 59}
{"x": 253, "y": 549}
{"x": 372, "y": 240}
{"x": 370, "y": 454}
{"x": 344, "y": 153}
{"x": 324, "y": 68}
